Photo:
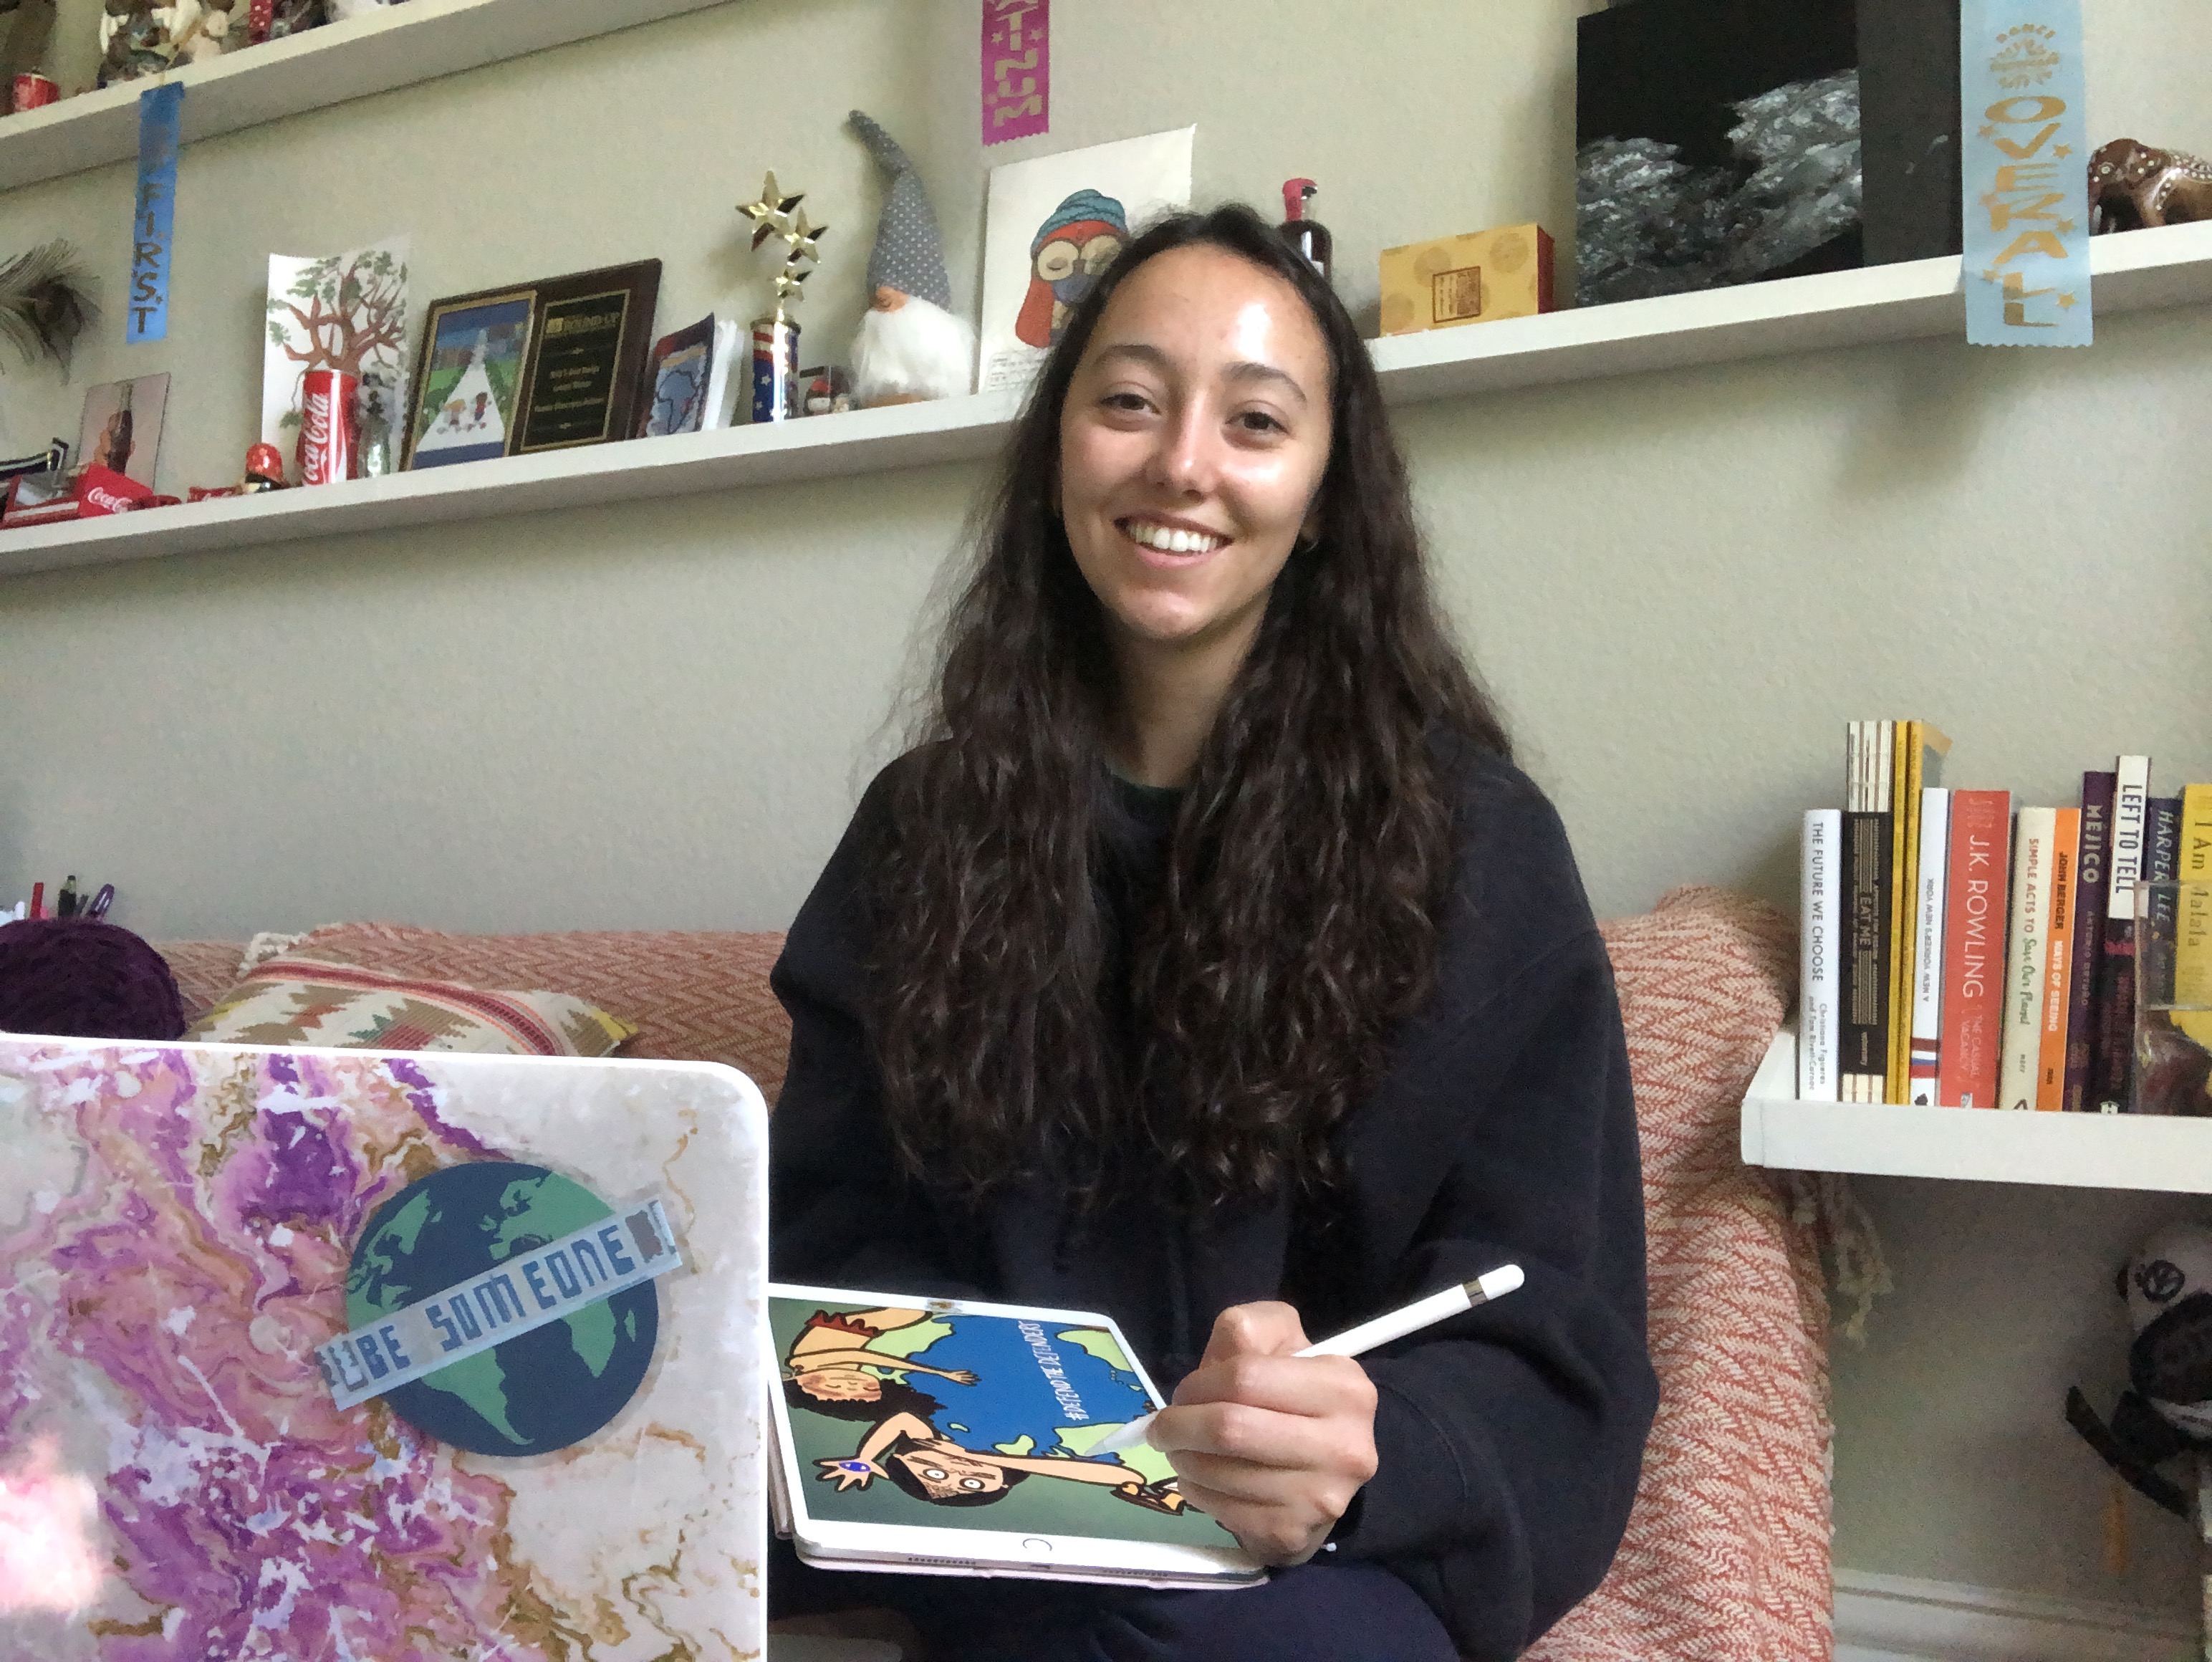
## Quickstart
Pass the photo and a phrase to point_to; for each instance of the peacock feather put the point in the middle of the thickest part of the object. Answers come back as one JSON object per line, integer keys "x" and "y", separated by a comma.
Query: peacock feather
{"x": 44, "y": 303}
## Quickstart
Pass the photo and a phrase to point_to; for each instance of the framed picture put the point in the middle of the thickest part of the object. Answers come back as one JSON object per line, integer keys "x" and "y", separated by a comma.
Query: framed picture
{"x": 468, "y": 378}
{"x": 681, "y": 366}
{"x": 340, "y": 312}
{"x": 122, "y": 428}
{"x": 1054, "y": 224}
{"x": 585, "y": 370}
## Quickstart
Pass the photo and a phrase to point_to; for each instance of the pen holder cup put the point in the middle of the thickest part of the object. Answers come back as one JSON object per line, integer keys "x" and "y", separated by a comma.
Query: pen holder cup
{"x": 2173, "y": 999}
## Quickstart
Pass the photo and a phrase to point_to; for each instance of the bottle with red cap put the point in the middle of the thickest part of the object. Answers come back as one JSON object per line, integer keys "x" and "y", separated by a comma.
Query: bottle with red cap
{"x": 1309, "y": 236}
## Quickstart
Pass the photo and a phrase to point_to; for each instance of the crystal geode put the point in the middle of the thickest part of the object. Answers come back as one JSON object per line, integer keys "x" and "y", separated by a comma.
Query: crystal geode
{"x": 1647, "y": 222}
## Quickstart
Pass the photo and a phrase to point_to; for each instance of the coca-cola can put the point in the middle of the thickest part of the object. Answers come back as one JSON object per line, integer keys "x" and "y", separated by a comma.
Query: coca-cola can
{"x": 35, "y": 91}
{"x": 329, "y": 407}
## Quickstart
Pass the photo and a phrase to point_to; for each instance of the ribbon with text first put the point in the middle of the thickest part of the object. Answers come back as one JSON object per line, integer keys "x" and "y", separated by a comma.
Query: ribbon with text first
{"x": 153, "y": 212}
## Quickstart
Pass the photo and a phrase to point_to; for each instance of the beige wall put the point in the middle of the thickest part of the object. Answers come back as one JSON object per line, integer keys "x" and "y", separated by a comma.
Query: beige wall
{"x": 1679, "y": 586}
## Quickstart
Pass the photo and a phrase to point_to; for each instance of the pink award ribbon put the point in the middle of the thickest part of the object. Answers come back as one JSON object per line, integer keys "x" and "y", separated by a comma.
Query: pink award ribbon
{"x": 1016, "y": 59}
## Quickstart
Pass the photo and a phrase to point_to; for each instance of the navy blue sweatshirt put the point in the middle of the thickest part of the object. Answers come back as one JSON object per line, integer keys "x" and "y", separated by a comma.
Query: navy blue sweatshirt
{"x": 1502, "y": 1129}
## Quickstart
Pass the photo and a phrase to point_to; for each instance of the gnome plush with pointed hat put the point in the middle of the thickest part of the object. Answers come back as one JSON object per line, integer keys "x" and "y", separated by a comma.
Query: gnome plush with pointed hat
{"x": 910, "y": 346}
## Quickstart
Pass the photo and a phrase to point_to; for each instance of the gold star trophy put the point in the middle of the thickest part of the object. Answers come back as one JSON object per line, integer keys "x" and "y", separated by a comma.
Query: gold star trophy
{"x": 775, "y": 337}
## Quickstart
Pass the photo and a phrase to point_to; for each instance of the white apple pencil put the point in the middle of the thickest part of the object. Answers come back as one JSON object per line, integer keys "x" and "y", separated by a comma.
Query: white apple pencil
{"x": 1357, "y": 1341}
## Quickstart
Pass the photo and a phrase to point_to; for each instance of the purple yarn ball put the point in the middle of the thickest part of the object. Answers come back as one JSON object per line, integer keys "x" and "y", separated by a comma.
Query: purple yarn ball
{"x": 75, "y": 978}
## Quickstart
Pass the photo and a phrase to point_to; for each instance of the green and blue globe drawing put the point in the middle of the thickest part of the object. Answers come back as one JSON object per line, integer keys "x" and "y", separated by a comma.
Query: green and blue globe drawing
{"x": 536, "y": 1392}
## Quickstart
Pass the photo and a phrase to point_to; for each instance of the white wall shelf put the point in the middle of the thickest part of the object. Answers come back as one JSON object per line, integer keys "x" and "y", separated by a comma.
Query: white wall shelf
{"x": 393, "y": 47}
{"x": 1982, "y": 1145}
{"x": 818, "y": 447}
{"x": 2136, "y": 270}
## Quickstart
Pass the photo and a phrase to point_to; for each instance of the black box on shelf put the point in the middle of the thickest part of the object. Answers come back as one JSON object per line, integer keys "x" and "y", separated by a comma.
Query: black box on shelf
{"x": 1721, "y": 142}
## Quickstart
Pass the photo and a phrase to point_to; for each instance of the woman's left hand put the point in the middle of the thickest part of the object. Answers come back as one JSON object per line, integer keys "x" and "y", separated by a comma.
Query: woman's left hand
{"x": 1271, "y": 1444}
{"x": 849, "y": 1473}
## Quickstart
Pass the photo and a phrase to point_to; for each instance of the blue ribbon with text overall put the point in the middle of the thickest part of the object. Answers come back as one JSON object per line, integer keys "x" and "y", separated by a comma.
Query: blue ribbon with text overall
{"x": 152, "y": 217}
{"x": 2024, "y": 172}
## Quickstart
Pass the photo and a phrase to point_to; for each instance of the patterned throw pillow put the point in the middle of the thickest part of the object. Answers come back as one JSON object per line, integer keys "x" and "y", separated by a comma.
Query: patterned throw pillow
{"x": 297, "y": 999}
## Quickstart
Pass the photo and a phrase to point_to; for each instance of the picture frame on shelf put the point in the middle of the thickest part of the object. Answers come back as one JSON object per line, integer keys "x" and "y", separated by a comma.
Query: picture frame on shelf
{"x": 680, "y": 371}
{"x": 1053, "y": 224}
{"x": 468, "y": 385}
{"x": 346, "y": 312}
{"x": 122, "y": 426}
{"x": 586, "y": 364}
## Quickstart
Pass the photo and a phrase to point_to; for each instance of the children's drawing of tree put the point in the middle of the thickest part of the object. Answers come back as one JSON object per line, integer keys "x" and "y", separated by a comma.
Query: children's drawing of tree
{"x": 345, "y": 313}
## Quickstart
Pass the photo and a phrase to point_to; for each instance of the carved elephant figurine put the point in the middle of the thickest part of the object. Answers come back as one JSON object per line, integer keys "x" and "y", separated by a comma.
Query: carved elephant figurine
{"x": 2132, "y": 186}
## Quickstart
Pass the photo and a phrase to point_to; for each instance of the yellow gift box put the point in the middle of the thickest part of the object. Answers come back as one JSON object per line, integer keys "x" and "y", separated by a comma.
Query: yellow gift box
{"x": 1501, "y": 273}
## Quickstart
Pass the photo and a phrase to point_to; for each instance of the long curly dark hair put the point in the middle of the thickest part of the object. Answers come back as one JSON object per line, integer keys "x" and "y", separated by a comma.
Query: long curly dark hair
{"x": 1309, "y": 861}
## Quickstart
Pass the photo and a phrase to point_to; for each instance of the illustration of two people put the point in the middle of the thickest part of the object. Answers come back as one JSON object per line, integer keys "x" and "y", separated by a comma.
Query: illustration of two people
{"x": 459, "y": 418}
{"x": 827, "y": 1370}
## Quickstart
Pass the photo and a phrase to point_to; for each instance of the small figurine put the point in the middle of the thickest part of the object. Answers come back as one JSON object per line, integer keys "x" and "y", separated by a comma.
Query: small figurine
{"x": 2167, "y": 1410}
{"x": 2132, "y": 186}
{"x": 828, "y": 390}
{"x": 284, "y": 18}
{"x": 142, "y": 37}
{"x": 379, "y": 447}
{"x": 1308, "y": 235}
{"x": 911, "y": 345}
{"x": 264, "y": 470}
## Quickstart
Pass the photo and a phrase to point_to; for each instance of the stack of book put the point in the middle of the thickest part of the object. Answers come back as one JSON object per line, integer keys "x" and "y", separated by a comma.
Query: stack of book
{"x": 1959, "y": 953}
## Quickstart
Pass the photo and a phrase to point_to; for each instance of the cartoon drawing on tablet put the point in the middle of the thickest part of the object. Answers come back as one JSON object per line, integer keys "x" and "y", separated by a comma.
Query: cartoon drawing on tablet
{"x": 1007, "y": 1412}
{"x": 835, "y": 1358}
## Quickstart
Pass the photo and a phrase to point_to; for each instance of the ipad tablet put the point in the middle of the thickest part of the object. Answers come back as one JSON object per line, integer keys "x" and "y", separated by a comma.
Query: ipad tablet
{"x": 953, "y": 1437}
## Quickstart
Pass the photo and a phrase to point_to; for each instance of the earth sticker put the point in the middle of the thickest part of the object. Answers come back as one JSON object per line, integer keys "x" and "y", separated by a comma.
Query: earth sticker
{"x": 542, "y": 1390}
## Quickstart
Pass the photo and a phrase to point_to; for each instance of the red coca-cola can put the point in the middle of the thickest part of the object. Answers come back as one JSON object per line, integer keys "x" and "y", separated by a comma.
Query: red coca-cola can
{"x": 329, "y": 408}
{"x": 35, "y": 91}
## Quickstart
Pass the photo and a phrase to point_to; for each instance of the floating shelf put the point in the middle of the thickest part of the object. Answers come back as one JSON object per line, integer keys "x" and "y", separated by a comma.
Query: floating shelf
{"x": 2134, "y": 272}
{"x": 817, "y": 447}
{"x": 392, "y": 47}
{"x": 2138, "y": 271}
{"x": 1981, "y": 1145}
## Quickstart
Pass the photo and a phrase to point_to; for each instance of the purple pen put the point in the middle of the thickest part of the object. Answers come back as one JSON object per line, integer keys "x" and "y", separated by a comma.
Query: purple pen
{"x": 101, "y": 902}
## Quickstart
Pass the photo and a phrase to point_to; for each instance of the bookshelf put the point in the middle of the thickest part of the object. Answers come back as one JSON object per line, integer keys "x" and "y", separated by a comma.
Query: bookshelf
{"x": 2138, "y": 271}
{"x": 393, "y": 47}
{"x": 1977, "y": 1145}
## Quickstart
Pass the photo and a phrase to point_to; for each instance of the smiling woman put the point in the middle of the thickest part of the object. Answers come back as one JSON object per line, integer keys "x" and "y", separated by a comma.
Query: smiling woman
{"x": 1191, "y": 453}
{"x": 1208, "y": 963}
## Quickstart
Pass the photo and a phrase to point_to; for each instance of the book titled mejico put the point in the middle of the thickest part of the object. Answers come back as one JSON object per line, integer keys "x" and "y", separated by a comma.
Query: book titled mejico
{"x": 502, "y": 1308}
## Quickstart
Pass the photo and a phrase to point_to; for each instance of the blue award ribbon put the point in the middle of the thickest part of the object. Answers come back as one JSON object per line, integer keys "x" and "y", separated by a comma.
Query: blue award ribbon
{"x": 153, "y": 213}
{"x": 2024, "y": 172}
